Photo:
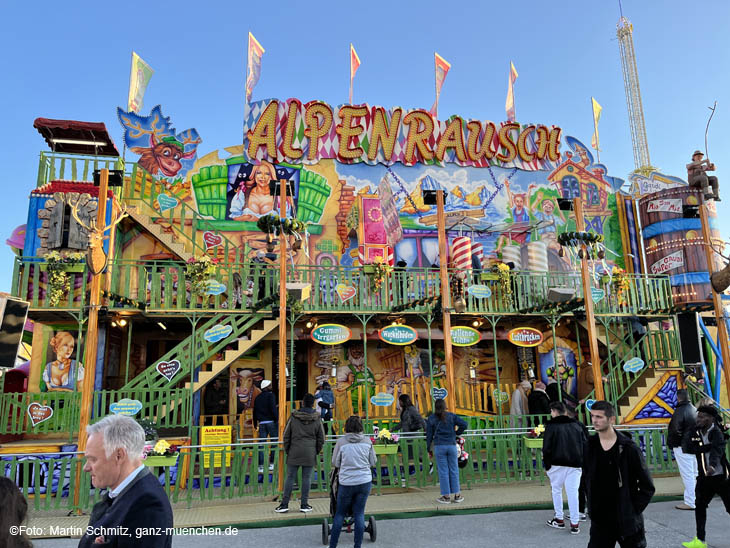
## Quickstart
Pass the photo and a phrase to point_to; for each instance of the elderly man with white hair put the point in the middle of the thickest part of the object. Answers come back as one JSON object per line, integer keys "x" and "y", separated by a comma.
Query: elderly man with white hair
{"x": 135, "y": 510}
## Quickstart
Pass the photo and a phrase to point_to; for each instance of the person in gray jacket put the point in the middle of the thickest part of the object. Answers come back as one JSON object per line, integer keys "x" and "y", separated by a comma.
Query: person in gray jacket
{"x": 354, "y": 457}
{"x": 303, "y": 441}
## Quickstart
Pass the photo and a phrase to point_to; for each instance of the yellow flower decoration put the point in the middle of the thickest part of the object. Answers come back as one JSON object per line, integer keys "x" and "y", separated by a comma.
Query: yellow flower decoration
{"x": 474, "y": 363}
{"x": 161, "y": 446}
{"x": 503, "y": 267}
{"x": 539, "y": 429}
{"x": 384, "y": 433}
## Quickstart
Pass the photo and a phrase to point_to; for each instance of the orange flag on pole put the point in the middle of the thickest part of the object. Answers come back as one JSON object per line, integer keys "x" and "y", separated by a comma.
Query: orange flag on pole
{"x": 442, "y": 69}
{"x": 354, "y": 65}
{"x": 255, "y": 52}
{"x": 509, "y": 105}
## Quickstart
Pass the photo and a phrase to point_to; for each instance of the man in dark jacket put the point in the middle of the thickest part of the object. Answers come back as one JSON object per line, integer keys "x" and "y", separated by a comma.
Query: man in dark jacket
{"x": 683, "y": 420}
{"x": 619, "y": 485}
{"x": 265, "y": 420}
{"x": 538, "y": 401}
{"x": 562, "y": 451}
{"x": 216, "y": 400}
{"x": 707, "y": 441}
{"x": 303, "y": 441}
{"x": 135, "y": 510}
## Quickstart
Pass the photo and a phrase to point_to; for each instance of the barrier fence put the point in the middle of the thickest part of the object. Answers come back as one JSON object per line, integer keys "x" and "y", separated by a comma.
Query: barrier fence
{"x": 240, "y": 471}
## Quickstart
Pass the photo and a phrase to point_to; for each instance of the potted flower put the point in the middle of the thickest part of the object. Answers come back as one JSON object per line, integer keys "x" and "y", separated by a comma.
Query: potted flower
{"x": 58, "y": 266}
{"x": 377, "y": 272}
{"x": 384, "y": 442}
{"x": 199, "y": 270}
{"x": 534, "y": 439}
{"x": 161, "y": 454}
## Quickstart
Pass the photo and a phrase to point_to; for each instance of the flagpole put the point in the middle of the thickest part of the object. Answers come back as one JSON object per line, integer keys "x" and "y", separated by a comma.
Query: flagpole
{"x": 595, "y": 131}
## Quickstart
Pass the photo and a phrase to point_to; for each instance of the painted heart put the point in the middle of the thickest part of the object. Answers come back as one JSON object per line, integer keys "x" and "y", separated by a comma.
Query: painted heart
{"x": 500, "y": 396}
{"x": 346, "y": 292}
{"x": 589, "y": 404}
{"x": 127, "y": 407}
{"x": 168, "y": 369}
{"x": 439, "y": 393}
{"x": 597, "y": 294}
{"x": 212, "y": 239}
{"x": 39, "y": 413}
{"x": 167, "y": 202}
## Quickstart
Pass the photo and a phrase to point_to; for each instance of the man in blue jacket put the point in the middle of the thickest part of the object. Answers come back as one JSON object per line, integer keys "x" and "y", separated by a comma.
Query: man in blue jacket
{"x": 265, "y": 417}
{"x": 134, "y": 511}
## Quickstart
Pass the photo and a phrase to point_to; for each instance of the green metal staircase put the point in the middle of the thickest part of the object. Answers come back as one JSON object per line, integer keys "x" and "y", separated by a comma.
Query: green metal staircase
{"x": 246, "y": 330}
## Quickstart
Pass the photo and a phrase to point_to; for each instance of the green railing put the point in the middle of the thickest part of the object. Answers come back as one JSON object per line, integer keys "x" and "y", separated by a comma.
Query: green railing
{"x": 142, "y": 190}
{"x": 231, "y": 472}
{"x": 30, "y": 283}
{"x": 646, "y": 294}
{"x": 65, "y": 408}
{"x": 72, "y": 167}
{"x": 166, "y": 408}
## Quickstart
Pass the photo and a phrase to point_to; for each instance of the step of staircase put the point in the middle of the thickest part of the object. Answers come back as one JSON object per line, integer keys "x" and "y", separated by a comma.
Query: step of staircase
{"x": 158, "y": 231}
{"x": 216, "y": 366}
{"x": 638, "y": 390}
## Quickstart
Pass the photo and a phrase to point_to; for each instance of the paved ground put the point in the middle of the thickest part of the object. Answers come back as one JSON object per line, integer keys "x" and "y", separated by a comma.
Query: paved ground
{"x": 666, "y": 527}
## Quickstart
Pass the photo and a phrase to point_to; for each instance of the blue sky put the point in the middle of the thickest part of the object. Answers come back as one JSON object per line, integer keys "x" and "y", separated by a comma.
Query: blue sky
{"x": 71, "y": 61}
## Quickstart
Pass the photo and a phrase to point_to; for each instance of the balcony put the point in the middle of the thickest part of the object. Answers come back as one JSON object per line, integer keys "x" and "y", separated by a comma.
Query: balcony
{"x": 72, "y": 167}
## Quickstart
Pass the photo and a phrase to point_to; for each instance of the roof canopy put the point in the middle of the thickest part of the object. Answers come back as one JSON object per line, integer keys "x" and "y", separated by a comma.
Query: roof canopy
{"x": 73, "y": 137}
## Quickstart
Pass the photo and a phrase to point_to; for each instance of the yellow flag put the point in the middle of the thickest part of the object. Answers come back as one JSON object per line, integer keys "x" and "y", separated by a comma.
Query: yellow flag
{"x": 596, "y": 116}
{"x": 138, "y": 80}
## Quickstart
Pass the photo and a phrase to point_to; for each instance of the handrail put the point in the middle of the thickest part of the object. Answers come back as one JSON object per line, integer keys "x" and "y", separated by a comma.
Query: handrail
{"x": 52, "y": 166}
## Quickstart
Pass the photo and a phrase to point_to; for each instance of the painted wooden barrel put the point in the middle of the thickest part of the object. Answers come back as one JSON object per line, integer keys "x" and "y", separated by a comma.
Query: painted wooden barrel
{"x": 673, "y": 243}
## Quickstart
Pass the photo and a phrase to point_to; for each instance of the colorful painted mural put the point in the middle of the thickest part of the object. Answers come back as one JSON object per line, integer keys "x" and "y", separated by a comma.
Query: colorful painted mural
{"x": 62, "y": 370}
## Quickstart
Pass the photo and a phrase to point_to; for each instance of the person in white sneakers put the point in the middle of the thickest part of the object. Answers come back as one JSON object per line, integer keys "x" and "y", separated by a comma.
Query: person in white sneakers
{"x": 563, "y": 450}
{"x": 683, "y": 421}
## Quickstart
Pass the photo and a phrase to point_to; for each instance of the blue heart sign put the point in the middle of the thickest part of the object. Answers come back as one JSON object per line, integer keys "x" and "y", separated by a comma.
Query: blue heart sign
{"x": 126, "y": 407}
{"x": 589, "y": 404}
{"x": 167, "y": 202}
{"x": 214, "y": 287}
{"x": 597, "y": 294}
{"x": 634, "y": 365}
{"x": 382, "y": 399}
{"x": 439, "y": 393}
{"x": 480, "y": 291}
{"x": 217, "y": 333}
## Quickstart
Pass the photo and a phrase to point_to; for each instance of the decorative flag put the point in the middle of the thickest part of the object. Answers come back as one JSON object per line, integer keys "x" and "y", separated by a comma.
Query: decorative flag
{"x": 354, "y": 65}
{"x": 442, "y": 69}
{"x": 139, "y": 77}
{"x": 255, "y": 52}
{"x": 509, "y": 105}
{"x": 596, "y": 117}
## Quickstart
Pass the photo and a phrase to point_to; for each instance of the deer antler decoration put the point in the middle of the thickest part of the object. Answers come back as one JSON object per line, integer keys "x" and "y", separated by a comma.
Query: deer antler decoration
{"x": 96, "y": 258}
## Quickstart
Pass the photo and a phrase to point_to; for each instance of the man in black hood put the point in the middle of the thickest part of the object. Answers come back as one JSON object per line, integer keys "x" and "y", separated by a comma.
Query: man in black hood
{"x": 303, "y": 441}
{"x": 618, "y": 482}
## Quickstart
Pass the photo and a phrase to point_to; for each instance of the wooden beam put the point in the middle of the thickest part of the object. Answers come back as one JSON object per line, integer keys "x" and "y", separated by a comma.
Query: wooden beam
{"x": 588, "y": 300}
{"x": 445, "y": 300}
{"x": 722, "y": 334}
{"x": 282, "y": 333}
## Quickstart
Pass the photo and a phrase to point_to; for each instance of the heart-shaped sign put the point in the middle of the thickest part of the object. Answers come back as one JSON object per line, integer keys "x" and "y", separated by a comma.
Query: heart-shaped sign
{"x": 167, "y": 202}
{"x": 212, "y": 239}
{"x": 127, "y": 407}
{"x": 597, "y": 294}
{"x": 589, "y": 404}
{"x": 346, "y": 292}
{"x": 500, "y": 396}
{"x": 168, "y": 369}
{"x": 39, "y": 413}
{"x": 439, "y": 393}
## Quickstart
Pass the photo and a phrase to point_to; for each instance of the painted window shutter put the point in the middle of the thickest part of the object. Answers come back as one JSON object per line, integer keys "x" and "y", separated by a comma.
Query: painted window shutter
{"x": 78, "y": 237}
{"x": 55, "y": 226}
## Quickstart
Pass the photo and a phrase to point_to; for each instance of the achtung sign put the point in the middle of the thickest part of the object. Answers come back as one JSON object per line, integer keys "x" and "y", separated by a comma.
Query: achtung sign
{"x": 464, "y": 336}
{"x": 400, "y": 335}
{"x": 525, "y": 336}
{"x": 331, "y": 333}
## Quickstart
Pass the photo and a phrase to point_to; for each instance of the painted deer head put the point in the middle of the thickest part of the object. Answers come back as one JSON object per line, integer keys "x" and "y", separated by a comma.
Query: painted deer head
{"x": 96, "y": 257}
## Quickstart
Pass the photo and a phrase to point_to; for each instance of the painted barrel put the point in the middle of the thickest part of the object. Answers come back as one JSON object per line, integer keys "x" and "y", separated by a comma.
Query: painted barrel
{"x": 674, "y": 245}
{"x": 512, "y": 254}
{"x": 537, "y": 256}
{"x": 461, "y": 253}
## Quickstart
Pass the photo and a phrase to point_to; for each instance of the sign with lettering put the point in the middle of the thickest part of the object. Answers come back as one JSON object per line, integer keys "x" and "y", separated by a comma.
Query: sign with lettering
{"x": 167, "y": 202}
{"x": 126, "y": 406}
{"x": 400, "y": 335}
{"x": 634, "y": 365}
{"x": 214, "y": 287}
{"x": 382, "y": 399}
{"x": 668, "y": 262}
{"x": 168, "y": 369}
{"x": 439, "y": 393}
{"x": 480, "y": 291}
{"x": 217, "y": 333}
{"x": 215, "y": 435}
{"x": 464, "y": 336}
{"x": 665, "y": 205}
{"x": 597, "y": 294}
{"x": 211, "y": 239}
{"x": 345, "y": 292}
{"x": 331, "y": 333}
{"x": 39, "y": 413}
{"x": 525, "y": 336}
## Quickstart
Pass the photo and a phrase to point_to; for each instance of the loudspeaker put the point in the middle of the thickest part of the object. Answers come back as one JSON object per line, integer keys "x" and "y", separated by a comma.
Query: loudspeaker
{"x": 690, "y": 338}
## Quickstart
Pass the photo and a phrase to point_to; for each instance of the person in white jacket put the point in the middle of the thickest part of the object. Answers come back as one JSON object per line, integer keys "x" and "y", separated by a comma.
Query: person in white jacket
{"x": 354, "y": 457}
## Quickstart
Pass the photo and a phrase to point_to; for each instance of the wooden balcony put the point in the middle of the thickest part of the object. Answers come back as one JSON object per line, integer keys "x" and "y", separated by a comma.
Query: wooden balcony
{"x": 72, "y": 167}
{"x": 164, "y": 287}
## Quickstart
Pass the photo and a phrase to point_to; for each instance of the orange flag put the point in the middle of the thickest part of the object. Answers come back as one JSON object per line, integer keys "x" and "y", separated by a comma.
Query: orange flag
{"x": 442, "y": 69}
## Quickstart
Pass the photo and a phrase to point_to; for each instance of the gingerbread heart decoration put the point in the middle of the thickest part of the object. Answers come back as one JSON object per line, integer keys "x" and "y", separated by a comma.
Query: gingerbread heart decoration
{"x": 212, "y": 240}
{"x": 346, "y": 292}
{"x": 39, "y": 413}
{"x": 168, "y": 369}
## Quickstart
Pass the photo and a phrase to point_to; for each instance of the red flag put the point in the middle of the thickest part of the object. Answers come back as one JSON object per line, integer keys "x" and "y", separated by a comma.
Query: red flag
{"x": 354, "y": 65}
{"x": 255, "y": 52}
{"x": 509, "y": 105}
{"x": 442, "y": 69}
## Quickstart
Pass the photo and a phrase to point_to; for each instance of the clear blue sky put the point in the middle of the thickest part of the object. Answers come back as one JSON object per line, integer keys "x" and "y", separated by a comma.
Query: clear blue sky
{"x": 71, "y": 61}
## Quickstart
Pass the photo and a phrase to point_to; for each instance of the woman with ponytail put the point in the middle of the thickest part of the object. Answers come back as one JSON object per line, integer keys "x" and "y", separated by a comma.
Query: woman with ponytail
{"x": 441, "y": 430}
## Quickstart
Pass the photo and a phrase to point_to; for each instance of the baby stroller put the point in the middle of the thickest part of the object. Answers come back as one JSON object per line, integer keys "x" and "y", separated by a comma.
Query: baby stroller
{"x": 347, "y": 525}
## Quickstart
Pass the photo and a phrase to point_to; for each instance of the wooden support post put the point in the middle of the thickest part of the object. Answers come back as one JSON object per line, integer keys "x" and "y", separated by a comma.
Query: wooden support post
{"x": 445, "y": 300}
{"x": 92, "y": 340}
{"x": 722, "y": 334}
{"x": 588, "y": 299}
{"x": 282, "y": 333}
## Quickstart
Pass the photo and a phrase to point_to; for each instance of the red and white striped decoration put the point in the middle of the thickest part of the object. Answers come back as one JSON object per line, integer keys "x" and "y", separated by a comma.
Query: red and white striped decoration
{"x": 477, "y": 250}
{"x": 461, "y": 253}
{"x": 361, "y": 255}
